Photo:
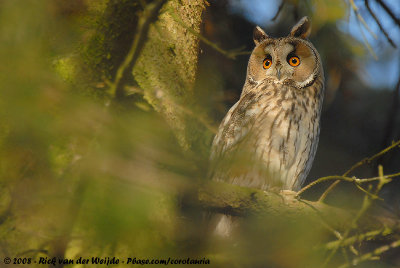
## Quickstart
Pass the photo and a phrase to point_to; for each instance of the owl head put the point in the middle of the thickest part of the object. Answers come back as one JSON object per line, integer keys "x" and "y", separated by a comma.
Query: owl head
{"x": 291, "y": 59}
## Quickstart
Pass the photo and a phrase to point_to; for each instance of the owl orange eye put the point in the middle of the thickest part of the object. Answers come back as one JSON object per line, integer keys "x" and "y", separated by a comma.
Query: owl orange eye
{"x": 267, "y": 63}
{"x": 294, "y": 61}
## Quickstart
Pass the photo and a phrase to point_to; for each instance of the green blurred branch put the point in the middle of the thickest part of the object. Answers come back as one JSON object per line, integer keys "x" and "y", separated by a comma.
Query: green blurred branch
{"x": 358, "y": 238}
{"x": 373, "y": 255}
{"x": 367, "y": 202}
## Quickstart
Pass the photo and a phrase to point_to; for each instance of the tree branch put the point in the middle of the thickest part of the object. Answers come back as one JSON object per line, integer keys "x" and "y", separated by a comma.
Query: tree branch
{"x": 234, "y": 200}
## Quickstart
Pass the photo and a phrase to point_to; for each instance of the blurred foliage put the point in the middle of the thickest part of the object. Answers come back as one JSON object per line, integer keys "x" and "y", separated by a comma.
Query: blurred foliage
{"x": 83, "y": 173}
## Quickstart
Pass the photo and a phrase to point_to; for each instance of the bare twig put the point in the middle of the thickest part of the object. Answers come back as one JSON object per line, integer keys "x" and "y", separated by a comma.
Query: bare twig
{"x": 344, "y": 178}
{"x": 379, "y": 24}
{"x": 371, "y": 255}
{"x": 149, "y": 15}
{"x": 328, "y": 190}
{"x": 370, "y": 49}
{"x": 231, "y": 54}
{"x": 359, "y": 238}
{"x": 365, "y": 206}
{"x": 357, "y": 165}
{"x": 360, "y": 18}
{"x": 327, "y": 178}
{"x": 370, "y": 159}
{"x": 389, "y": 11}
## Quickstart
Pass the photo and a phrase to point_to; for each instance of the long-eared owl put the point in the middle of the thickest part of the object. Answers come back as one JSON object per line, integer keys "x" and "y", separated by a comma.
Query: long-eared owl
{"x": 268, "y": 139}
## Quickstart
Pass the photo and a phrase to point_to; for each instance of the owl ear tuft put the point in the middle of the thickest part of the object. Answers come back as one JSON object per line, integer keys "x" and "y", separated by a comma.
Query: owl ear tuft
{"x": 259, "y": 35}
{"x": 302, "y": 29}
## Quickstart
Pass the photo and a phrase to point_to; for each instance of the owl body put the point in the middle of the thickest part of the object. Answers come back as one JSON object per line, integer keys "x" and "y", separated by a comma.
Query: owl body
{"x": 268, "y": 139}
{"x": 272, "y": 131}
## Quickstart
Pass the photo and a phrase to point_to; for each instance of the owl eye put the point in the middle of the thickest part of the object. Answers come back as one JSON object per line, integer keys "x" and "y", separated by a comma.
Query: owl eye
{"x": 267, "y": 63}
{"x": 294, "y": 61}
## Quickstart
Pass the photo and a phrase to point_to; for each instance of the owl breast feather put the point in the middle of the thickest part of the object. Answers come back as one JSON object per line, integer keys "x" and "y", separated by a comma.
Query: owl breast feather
{"x": 268, "y": 138}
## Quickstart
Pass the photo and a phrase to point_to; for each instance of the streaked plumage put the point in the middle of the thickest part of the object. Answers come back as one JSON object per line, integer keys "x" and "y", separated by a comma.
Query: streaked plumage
{"x": 268, "y": 139}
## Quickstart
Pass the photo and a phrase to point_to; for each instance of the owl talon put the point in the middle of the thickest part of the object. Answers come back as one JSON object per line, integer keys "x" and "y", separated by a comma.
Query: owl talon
{"x": 288, "y": 196}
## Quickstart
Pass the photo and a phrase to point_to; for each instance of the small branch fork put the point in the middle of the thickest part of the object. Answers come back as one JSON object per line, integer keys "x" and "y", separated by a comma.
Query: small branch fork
{"x": 354, "y": 180}
{"x": 343, "y": 240}
{"x": 365, "y": 206}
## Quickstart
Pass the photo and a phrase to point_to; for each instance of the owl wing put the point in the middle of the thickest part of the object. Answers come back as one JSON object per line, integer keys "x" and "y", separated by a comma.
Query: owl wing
{"x": 234, "y": 128}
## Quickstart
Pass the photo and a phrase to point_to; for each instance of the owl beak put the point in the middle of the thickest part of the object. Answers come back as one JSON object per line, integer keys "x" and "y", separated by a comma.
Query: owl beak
{"x": 278, "y": 72}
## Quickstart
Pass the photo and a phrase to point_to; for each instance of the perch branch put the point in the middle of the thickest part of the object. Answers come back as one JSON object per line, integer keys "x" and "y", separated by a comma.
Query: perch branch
{"x": 234, "y": 200}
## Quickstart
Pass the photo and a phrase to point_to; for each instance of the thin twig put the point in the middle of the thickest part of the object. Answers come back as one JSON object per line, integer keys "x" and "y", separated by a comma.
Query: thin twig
{"x": 149, "y": 15}
{"x": 372, "y": 254}
{"x": 370, "y": 49}
{"x": 389, "y": 11}
{"x": 359, "y": 238}
{"x": 357, "y": 165}
{"x": 361, "y": 19}
{"x": 327, "y": 178}
{"x": 370, "y": 159}
{"x": 328, "y": 190}
{"x": 232, "y": 54}
{"x": 344, "y": 178}
{"x": 379, "y": 24}
{"x": 365, "y": 206}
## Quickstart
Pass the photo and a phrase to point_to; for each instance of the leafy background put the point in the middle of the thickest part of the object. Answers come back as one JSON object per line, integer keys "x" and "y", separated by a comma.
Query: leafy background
{"x": 85, "y": 173}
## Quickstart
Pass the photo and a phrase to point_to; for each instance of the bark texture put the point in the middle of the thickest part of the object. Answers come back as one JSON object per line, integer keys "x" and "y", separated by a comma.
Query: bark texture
{"x": 166, "y": 68}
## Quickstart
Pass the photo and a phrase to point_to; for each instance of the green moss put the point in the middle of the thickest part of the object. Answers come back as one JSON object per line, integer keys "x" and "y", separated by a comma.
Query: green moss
{"x": 66, "y": 68}
{"x": 167, "y": 66}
